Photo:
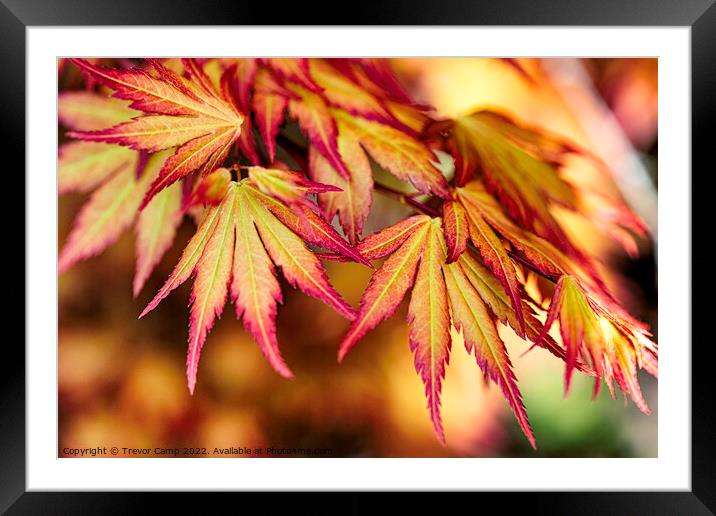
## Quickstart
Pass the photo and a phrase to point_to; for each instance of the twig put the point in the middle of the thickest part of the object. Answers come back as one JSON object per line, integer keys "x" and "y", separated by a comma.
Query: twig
{"x": 530, "y": 266}
{"x": 406, "y": 199}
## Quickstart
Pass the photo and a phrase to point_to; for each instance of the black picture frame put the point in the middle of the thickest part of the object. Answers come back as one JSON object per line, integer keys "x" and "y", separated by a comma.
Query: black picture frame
{"x": 699, "y": 15}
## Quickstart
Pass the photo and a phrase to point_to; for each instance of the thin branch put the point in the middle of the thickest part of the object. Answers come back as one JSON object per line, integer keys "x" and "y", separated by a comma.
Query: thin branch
{"x": 530, "y": 266}
{"x": 406, "y": 199}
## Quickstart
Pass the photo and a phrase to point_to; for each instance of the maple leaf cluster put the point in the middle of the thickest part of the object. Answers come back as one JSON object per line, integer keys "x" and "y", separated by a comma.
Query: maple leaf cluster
{"x": 155, "y": 140}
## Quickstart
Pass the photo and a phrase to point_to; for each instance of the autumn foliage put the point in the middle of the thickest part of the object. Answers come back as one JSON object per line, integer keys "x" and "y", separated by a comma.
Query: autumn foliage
{"x": 276, "y": 159}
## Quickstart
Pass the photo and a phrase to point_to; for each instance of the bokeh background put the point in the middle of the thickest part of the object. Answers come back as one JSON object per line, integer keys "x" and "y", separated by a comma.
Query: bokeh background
{"x": 122, "y": 383}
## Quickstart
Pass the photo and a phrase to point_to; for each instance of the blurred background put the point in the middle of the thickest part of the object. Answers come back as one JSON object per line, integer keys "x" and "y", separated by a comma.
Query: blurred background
{"x": 122, "y": 383}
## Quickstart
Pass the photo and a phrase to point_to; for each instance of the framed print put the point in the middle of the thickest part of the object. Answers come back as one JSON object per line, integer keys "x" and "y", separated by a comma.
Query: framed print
{"x": 401, "y": 257}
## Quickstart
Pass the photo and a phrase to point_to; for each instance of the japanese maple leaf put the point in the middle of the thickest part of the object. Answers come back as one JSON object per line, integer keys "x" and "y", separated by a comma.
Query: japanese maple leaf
{"x": 376, "y": 77}
{"x": 613, "y": 343}
{"x": 471, "y": 223}
{"x": 517, "y": 165}
{"x": 189, "y": 114}
{"x": 353, "y": 202}
{"x": 399, "y": 153}
{"x": 82, "y": 166}
{"x": 388, "y": 140}
{"x": 288, "y": 186}
{"x": 90, "y": 111}
{"x": 405, "y": 157}
{"x": 521, "y": 166}
{"x": 234, "y": 250}
{"x": 284, "y": 193}
{"x": 312, "y": 113}
{"x": 114, "y": 206}
{"x": 461, "y": 293}
{"x": 613, "y": 218}
{"x": 340, "y": 91}
{"x": 493, "y": 294}
{"x": 293, "y": 69}
{"x": 541, "y": 254}
{"x": 119, "y": 180}
{"x": 157, "y": 224}
{"x": 472, "y": 317}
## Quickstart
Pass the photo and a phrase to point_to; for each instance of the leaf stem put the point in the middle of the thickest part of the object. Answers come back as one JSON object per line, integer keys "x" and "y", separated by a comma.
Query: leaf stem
{"x": 530, "y": 266}
{"x": 406, "y": 199}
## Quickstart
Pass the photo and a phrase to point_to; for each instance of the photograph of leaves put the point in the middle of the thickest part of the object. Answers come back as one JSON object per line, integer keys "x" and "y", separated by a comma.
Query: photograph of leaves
{"x": 284, "y": 170}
